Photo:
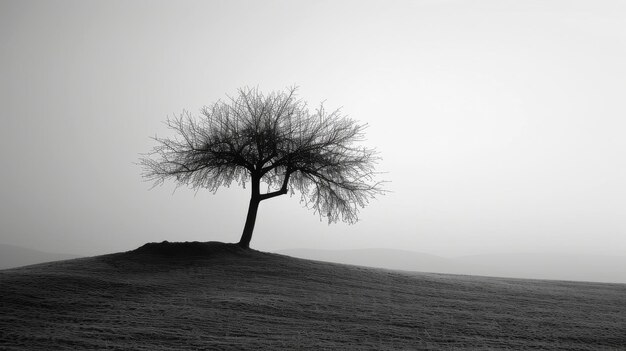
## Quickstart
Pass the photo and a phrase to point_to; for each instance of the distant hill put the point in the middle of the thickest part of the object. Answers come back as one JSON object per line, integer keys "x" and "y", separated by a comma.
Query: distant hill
{"x": 592, "y": 268}
{"x": 213, "y": 296}
{"x": 16, "y": 256}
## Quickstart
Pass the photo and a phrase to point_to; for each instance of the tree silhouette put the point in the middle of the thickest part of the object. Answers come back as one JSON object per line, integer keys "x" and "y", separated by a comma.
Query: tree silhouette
{"x": 272, "y": 139}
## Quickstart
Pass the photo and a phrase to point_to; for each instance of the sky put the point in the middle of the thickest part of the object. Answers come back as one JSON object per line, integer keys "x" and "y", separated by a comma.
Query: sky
{"x": 500, "y": 123}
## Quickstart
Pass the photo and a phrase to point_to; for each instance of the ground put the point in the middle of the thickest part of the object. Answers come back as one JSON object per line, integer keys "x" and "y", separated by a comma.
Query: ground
{"x": 213, "y": 296}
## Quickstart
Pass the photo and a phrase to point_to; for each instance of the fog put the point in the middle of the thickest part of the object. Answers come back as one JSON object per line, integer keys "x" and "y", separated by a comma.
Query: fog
{"x": 500, "y": 123}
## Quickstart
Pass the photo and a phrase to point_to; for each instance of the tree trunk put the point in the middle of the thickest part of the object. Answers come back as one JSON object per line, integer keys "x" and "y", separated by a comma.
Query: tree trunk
{"x": 255, "y": 199}
{"x": 246, "y": 236}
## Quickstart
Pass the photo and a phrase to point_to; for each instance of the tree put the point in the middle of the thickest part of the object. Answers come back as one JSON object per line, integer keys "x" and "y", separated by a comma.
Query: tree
{"x": 273, "y": 140}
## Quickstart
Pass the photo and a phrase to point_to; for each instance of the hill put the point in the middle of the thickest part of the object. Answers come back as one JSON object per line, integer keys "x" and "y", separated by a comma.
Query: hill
{"x": 591, "y": 268}
{"x": 15, "y": 256}
{"x": 190, "y": 296}
{"x": 379, "y": 258}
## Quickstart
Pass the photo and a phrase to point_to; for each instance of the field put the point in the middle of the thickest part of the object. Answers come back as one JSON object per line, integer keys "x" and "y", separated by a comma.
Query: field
{"x": 213, "y": 296}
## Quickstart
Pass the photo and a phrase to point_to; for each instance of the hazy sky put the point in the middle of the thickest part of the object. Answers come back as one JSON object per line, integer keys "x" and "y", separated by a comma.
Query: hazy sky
{"x": 501, "y": 123}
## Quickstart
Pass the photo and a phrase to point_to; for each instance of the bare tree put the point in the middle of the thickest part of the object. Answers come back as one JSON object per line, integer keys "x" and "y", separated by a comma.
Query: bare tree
{"x": 273, "y": 140}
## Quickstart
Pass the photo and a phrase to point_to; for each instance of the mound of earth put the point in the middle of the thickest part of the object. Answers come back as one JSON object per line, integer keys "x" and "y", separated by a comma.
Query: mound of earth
{"x": 188, "y": 248}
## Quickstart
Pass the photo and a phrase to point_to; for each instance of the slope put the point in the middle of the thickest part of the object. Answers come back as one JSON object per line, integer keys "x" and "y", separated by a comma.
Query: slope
{"x": 590, "y": 268}
{"x": 215, "y": 296}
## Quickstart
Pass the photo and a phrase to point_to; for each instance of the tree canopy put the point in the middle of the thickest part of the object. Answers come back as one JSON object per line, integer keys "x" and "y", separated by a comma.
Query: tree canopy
{"x": 274, "y": 140}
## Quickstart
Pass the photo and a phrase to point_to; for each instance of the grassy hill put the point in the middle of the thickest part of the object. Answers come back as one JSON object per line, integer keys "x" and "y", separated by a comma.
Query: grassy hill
{"x": 216, "y": 296}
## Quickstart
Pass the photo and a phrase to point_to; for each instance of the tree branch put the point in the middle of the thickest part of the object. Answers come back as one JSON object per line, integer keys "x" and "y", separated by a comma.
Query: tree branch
{"x": 281, "y": 191}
